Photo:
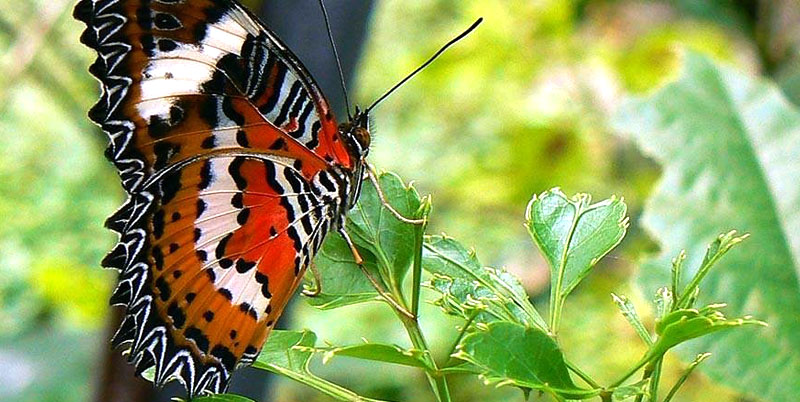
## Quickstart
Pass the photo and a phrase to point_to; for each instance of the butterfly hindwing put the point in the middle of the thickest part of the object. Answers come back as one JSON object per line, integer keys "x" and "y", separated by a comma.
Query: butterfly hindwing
{"x": 225, "y": 243}
{"x": 235, "y": 173}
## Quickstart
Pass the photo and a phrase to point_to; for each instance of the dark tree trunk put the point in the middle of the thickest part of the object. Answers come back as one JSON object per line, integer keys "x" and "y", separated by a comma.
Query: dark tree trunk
{"x": 116, "y": 381}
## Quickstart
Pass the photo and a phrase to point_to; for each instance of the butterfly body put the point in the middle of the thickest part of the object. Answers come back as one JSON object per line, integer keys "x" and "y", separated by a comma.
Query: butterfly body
{"x": 235, "y": 168}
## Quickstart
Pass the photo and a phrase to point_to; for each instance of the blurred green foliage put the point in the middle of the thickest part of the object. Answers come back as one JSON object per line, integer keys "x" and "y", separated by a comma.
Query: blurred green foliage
{"x": 520, "y": 106}
{"x": 745, "y": 179}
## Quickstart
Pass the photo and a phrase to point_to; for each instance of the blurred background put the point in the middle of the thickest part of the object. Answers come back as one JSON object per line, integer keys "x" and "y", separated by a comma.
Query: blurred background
{"x": 520, "y": 106}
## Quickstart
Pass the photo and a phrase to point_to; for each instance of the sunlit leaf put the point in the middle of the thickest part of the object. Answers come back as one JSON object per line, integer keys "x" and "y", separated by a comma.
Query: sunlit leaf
{"x": 379, "y": 352}
{"x": 629, "y": 312}
{"x": 728, "y": 144}
{"x": 385, "y": 244}
{"x": 222, "y": 398}
{"x": 511, "y": 354}
{"x": 573, "y": 234}
{"x": 373, "y": 227}
{"x": 682, "y": 325}
{"x": 56, "y": 280}
{"x": 721, "y": 245}
{"x": 288, "y": 353}
{"x": 343, "y": 283}
{"x": 652, "y": 60}
{"x": 467, "y": 288}
{"x": 631, "y": 390}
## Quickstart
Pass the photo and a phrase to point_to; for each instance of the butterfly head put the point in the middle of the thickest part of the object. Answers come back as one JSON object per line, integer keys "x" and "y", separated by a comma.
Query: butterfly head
{"x": 356, "y": 137}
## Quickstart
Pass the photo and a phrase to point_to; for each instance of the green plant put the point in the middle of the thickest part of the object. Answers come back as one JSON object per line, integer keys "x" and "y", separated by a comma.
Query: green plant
{"x": 728, "y": 145}
{"x": 503, "y": 338}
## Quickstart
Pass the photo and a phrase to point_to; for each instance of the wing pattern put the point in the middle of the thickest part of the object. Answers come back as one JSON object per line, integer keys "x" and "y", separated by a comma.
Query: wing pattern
{"x": 235, "y": 173}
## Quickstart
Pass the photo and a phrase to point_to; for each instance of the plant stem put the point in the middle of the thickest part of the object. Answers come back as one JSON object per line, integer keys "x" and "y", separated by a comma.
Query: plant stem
{"x": 631, "y": 372}
{"x": 699, "y": 359}
{"x": 698, "y": 277}
{"x": 416, "y": 278}
{"x": 655, "y": 379}
{"x": 585, "y": 377}
{"x": 438, "y": 381}
{"x": 461, "y": 335}
{"x": 556, "y": 301}
{"x": 319, "y": 384}
{"x": 651, "y": 368}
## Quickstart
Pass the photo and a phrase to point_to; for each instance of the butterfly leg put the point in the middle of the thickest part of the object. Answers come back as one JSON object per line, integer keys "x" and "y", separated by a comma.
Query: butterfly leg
{"x": 377, "y": 285}
{"x": 374, "y": 179}
{"x": 317, "y": 289}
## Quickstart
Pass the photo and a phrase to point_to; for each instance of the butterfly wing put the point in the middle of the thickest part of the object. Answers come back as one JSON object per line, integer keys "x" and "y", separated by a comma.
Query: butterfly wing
{"x": 234, "y": 170}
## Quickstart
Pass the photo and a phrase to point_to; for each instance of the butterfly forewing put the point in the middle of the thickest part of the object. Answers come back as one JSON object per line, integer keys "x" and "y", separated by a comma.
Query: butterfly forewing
{"x": 235, "y": 172}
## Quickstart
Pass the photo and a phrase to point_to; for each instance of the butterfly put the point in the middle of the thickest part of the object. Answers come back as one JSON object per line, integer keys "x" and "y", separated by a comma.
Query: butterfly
{"x": 235, "y": 170}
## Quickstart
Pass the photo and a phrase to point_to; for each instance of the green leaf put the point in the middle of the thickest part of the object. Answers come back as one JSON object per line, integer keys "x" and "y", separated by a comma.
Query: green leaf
{"x": 629, "y": 312}
{"x": 445, "y": 256}
{"x": 343, "y": 283}
{"x": 385, "y": 244}
{"x": 374, "y": 228}
{"x": 379, "y": 352}
{"x": 222, "y": 398}
{"x": 149, "y": 374}
{"x": 728, "y": 144}
{"x": 464, "y": 299}
{"x": 682, "y": 325}
{"x": 663, "y": 302}
{"x": 468, "y": 288}
{"x": 511, "y": 354}
{"x": 288, "y": 353}
{"x": 631, "y": 390}
{"x": 461, "y": 367}
{"x": 788, "y": 77}
{"x": 287, "y": 349}
{"x": 715, "y": 251}
{"x": 674, "y": 291}
{"x": 574, "y": 234}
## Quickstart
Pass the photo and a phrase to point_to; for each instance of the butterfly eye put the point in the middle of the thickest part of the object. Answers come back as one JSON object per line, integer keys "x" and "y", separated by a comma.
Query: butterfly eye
{"x": 355, "y": 137}
{"x": 361, "y": 135}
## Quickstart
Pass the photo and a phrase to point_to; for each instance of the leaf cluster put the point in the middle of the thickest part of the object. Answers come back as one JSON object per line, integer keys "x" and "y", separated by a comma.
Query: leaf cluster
{"x": 503, "y": 338}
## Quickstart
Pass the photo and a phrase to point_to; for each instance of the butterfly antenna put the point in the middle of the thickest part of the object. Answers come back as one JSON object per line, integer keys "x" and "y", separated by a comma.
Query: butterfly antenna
{"x": 336, "y": 56}
{"x": 425, "y": 64}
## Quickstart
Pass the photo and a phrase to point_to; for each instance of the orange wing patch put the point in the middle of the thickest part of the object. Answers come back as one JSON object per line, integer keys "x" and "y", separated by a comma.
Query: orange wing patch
{"x": 229, "y": 239}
